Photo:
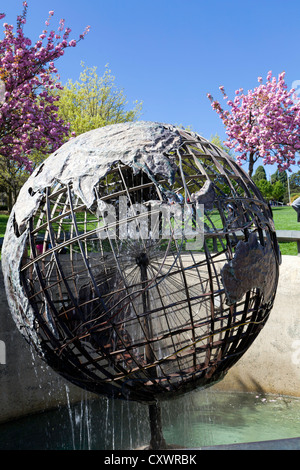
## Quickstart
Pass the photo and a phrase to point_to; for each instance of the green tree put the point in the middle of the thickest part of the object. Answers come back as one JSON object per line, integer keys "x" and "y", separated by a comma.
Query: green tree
{"x": 279, "y": 176}
{"x": 265, "y": 188}
{"x": 295, "y": 181}
{"x": 94, "y": 102}
{"x": 278, "y": 191}
{"x": 12, "y": 177}
{"x": 260, "y": 174}
{"x": 215, "y": 139}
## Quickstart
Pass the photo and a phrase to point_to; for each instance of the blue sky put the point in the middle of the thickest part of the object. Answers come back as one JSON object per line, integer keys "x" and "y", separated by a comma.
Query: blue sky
{"x": 170, "y": 53}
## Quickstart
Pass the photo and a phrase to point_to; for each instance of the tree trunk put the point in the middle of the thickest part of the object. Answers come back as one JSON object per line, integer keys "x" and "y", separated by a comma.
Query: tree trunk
{"x": 251, "y": 164}
{"x": 9, "y": 200}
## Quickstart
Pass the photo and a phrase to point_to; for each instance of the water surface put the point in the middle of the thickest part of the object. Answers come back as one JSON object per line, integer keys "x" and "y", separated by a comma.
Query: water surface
{"x": 203, "y": 418}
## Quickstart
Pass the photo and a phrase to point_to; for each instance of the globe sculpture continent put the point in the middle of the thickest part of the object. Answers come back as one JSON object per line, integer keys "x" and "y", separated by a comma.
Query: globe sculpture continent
{"x": 140, "y": 261}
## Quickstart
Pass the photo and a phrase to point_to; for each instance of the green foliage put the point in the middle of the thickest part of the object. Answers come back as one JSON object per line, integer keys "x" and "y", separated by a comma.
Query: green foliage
{"x": 260, "y": 174}
{"x": 279, "y": 176}
{"x": 12, "y": 177}
{"x": 215, "y": 139}
{"x": 265, "y": 188}
{"x": 278, "y": 190}
{"x": 295, "y": 181}
{"x": 87, "y": 104}
{"x": 3, "y": 223}
{"x": 94, "y": 102}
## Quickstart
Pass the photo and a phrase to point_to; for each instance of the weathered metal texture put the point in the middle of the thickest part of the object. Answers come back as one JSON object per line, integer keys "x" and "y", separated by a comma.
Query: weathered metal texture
{"x": 250, "y": 258}
{"x": 85, "y": 160}
{"x": 139, "y": 317}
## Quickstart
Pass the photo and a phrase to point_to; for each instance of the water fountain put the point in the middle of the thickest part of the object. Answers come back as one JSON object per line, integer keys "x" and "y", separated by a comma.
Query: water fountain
{"x": 141, "y": 262}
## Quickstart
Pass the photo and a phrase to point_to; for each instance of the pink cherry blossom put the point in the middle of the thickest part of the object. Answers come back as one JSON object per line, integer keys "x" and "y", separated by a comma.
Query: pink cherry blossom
{"x": 28, "y": 114}
{"x": 264, "y": 123}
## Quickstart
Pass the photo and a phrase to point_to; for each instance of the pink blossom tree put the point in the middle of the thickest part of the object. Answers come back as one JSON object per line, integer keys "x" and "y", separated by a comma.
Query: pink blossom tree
{"x": 29, "y": 120}
{"x": 264, "y": 123}
{"x": 28, "y": 113}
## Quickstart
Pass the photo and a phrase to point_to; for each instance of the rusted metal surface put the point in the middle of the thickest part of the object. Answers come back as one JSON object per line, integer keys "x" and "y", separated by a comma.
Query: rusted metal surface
{"x": 253, "y": 266}
{"x": 112, "y": 300}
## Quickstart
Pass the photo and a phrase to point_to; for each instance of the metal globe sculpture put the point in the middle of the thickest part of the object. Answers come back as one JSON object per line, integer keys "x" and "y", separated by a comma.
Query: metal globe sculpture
{"x": 140, "y": 261}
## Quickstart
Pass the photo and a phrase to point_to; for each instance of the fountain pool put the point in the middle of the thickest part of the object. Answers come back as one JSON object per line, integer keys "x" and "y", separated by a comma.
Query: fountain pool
{"x": 202, "y": 419}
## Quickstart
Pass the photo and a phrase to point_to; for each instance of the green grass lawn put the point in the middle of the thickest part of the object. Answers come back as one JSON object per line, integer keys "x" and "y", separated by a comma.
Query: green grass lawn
{"x": 3, "y": 222}
{"x": 285, "y": 218}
